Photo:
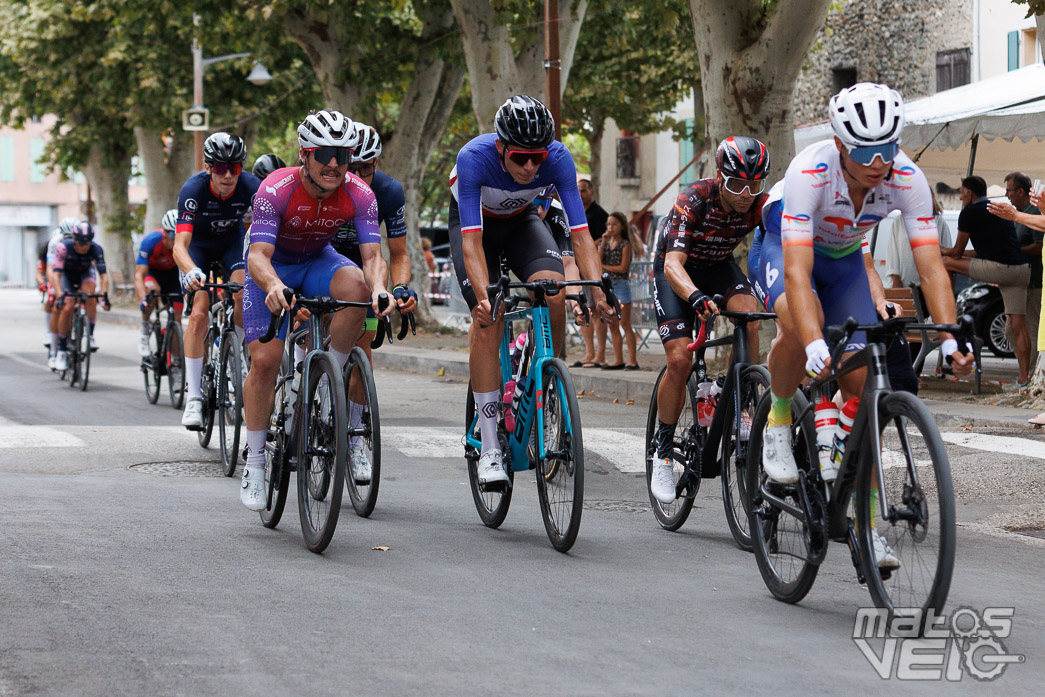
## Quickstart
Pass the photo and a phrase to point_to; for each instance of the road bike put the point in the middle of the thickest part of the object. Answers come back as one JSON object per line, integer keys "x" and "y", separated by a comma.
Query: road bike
{"x": 309, "y": 430}
{"x": 78, "y": 345}
{"x": 704, "y": 452}
{"x": 894, "y": 454}
{"x": 547, "y": 422}
{"x": 166, "y": 351}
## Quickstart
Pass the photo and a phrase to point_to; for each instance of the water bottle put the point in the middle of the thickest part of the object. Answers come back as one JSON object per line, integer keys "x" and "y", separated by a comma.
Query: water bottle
{"x": 520, "y": 389}
{"x": 714, "y": 392}
{"x": 508, "y": 399}
{"x": 705, "y": 411}
{"x": 826, "y": 425}
{"x": 845, "y": 425}
{"x": 745, "y": 425}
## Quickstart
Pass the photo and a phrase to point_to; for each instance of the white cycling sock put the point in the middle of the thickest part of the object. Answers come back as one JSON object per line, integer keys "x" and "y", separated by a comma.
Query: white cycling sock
{"x": 54, "y": 343}
{"x": 47, "y": 321}
{"x": 355, "y": 420}
{"x": 255, "y": 448}
{"x": 193, "y": 375}
{"x": 486, "y": 406}
{"x": 240, "y": 333}
{"x": 342, "y": 358}
{"x": 146, "y": 326}
{"x": 299, "y": 353}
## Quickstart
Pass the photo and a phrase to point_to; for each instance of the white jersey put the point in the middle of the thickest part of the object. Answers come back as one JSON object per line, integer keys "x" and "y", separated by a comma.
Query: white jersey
{"x": 818, "y": 213}
{"x": 52, "y": 245}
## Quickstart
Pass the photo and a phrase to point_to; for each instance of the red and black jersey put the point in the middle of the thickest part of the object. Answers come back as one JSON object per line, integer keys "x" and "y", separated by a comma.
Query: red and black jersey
{"x": 698, "y": 226}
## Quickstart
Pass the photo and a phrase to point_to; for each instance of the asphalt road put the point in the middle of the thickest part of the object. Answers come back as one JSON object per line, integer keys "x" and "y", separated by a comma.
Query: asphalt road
{"x": 129, "y": 567}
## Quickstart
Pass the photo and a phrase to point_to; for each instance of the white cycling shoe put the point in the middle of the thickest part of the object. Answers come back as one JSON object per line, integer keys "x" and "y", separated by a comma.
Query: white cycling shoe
{"x": 92, "y": 343}
{"x": 61, "y": 361}
{"x": 778, "y": 461}
{"x": 883, "y": 553}
{"x": 361, "y": 470}
{"x": 50, "y": 362}
{"x": 491, "y": 469}
{"x": 143, "y": 346}
{"x": 662, "y": 480}
{"x": 192, "y": 417}
{"x": 252, "y": 488}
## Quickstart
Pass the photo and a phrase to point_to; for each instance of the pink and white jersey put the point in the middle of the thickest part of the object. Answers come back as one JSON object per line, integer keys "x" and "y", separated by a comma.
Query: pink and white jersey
{"x": 818, "y": 213}
{"x": 299, "y": 226}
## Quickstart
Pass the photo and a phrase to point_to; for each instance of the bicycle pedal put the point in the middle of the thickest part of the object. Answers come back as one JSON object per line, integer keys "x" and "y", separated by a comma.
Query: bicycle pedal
{"x": 494, "y": 487}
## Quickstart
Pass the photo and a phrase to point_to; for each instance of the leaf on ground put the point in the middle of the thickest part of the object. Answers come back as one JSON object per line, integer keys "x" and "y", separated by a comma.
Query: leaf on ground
{"x": 630, "y": 402}
{"x": 591, "y": 391}
{"x": 966, "y": 428}
{"x": 616, "y": 400}
{"x": 441, "y": 373}
{"x": 380, "y": 549}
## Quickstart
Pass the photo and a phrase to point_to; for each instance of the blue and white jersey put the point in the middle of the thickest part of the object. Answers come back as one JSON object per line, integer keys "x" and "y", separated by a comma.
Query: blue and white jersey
{"x": 212, "y": 218}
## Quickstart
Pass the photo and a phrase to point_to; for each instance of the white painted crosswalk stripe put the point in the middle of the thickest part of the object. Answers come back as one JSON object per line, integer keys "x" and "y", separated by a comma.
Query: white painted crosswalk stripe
{"x": 36, "y": 437}
{"x": 626, "y": 451}
{"x": 1009, "y": 445}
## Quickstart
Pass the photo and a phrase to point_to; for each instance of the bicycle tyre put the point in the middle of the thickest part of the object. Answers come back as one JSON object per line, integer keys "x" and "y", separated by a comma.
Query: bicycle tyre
{"x": 229, "y": 402}
{"x": 85, "y": 356}
{"x": 754, "y": 381}
{"x": 910, "y": 541}
{"x": 364, "y": 496}
{"x": 208, "y": 381}
{"x": 561, "y": 475}
{"x": 492, "y": 506}
{"x": 174, "y": 357}
{"x": 671, "y": 516}
{"x": 277, "y": 471}
{"x": 74, "y": 353}
{"x": 764, "y": 519}
{"x": 321, "y": 479}
{"x": 151, "y": 365}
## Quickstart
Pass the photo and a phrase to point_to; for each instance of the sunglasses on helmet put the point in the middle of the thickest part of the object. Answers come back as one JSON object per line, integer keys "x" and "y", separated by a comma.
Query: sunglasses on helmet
{"x": 223, "y": 168}
{"x": 737, "y": 186}
{"x": 521, "y": 157}
{"x": 866, "y": 154}
{"x": 324, "y": 154}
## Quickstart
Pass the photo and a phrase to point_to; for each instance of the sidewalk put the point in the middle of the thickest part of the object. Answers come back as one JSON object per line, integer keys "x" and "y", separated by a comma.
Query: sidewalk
{"x": 945, "y": 398}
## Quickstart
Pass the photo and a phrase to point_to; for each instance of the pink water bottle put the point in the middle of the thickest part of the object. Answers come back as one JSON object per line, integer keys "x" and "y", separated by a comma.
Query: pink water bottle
{"x": 509, "y": 417}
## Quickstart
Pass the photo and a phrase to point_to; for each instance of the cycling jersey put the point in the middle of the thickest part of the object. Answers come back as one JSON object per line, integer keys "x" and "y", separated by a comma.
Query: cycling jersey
{"x": 153, "y": 253}
{"x": 391, "y": 210}
{"x": 557, "y": 222}
{"x": 52, "y": 245}
{"x": 210, "y": 218}
{"x": 482, "y": 188}
{"x": 74, "y": 264}
{"x": 300, "y": 227}
{"x": 817, "y": 211}
{"x": 699, "y": 226}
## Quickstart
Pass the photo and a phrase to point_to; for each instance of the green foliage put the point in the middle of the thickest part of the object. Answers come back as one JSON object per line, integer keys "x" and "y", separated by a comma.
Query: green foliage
{"x": 1034, "y": 7}
{"x": 435, "y": 187}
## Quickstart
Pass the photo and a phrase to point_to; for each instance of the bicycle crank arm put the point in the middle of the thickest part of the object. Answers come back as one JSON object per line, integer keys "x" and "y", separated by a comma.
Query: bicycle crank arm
{"x": 783, "y": 505}
{"x": 854, "y": 552}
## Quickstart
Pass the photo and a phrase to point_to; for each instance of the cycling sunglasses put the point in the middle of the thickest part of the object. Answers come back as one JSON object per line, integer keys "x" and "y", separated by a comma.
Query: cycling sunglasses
{"x": 521, "y": 157}
{"x": 865, "y": 154}
{"x": 362, "y": 169}
{"x": 737, "y": 186}
{"x": 223, "y": 168}
{"x": 324, "y": 154}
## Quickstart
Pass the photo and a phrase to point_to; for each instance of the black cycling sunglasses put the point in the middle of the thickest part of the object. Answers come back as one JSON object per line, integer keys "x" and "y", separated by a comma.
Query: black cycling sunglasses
{"x": 324, "y": 154}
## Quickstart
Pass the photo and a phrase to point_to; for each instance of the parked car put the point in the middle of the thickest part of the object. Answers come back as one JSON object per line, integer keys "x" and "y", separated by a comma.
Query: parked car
{"x": 983, "y": 301}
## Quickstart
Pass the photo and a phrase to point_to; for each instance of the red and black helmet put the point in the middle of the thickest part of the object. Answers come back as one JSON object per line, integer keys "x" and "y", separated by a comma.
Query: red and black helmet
{"x": 743, "y": 157}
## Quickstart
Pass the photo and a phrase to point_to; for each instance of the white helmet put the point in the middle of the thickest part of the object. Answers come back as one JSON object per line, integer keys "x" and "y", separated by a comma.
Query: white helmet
{"x": 867, "y": 114}
{"x": 170, "y": 220}
{"x": 369, "y": 143}
{"x": 327, "y": 128}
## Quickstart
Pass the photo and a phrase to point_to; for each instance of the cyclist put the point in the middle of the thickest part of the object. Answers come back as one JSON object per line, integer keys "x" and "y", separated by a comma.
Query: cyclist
{"x": 710, "y": 218}
{"x": 211, "y": 207}
{"x": 64, "y": 231}
{"x": 156, "y": 271}
{"x": 296, "y": 216}
{"x": 266, "y": 164}
{"x": 391, "y": 210}
{"x": 80, "y": 265}
{"x": 493, "y": 184}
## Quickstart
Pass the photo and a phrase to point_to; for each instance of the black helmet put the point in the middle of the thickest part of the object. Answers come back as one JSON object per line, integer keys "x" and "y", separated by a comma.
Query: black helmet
{"x": 83, "y": 232}
{"x": 267, "y": 164}
{"x": 744, "y": 157}
{"x": 224, "y": 147}
{"x": 526, "y": 122}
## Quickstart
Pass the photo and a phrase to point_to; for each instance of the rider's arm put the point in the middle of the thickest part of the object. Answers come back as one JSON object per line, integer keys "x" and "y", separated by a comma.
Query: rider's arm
{"x": 475, "y": 262}
{"x": 399, "y": 261}
{"x": 877, "y": 288}
{"x": 678, "y": 277}
{"x": 103, "y": 282}
{"x": 588, "y": 261}
{"x": 140, "y": 270}
{"x": 375, "y": 271}
{"x": 181, "y": 251}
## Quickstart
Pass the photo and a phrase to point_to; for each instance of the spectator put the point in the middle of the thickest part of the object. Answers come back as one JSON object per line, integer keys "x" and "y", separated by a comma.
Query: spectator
{"x": 616, "y": 261}
{"x": 899, "y": 260}
{"x": 596, "y": 216}
{"x": 1017, "y": 189}
{"x": 426, "y": 245}
{"x": 997, "y": 259}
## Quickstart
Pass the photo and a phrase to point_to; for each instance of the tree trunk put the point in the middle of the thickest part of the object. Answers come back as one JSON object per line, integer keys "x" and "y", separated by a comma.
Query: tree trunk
{"x": 330, "y": 52}
{"x": 748, "y": 66}
{"x": 166, "y": 169}
{"x": 108, "y": 171}
{"x": 598, "y": 129}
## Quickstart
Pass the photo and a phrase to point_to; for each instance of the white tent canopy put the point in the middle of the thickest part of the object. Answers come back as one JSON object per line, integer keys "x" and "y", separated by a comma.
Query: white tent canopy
{"x": 1008, "y": 107}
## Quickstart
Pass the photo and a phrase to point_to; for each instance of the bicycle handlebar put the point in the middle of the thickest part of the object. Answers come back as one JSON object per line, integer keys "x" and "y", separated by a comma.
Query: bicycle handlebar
{"x": 324, "y": 304}
{"x": 880, "y": 332}
{"x": 499, "y": 290}
{"x": 738, "y": 317}
{"x": 234, "y": 287}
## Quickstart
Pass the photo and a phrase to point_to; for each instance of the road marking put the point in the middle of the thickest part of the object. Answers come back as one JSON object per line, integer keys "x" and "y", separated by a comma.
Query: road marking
{"x": 997, "y": 444}
{"x": 36, "y": 437}
{"x": 626, "y": 451}
{"x": 425, "y": 441}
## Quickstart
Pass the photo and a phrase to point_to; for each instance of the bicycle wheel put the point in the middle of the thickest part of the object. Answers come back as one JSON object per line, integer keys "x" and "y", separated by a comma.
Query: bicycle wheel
{"x": 919, "y": 525}
{"x": 151, "y": 365}
{"x": 778, "y": 537}
{"x": 208, "y": 385}
{"x": 560, "y": 474}
{"x": 277, "y": 470}
{"x": 364, "y": 424}
{"x": 174, "y": 355}
{"x": 672, "y": 515}
{"x": 76, "y": 338}
{"x": 322, "y": 452}
{"x": 229, "y": 402}
{"x": 84, "y": 350}
{"x": 491, "y": 505}
{"x": 736, "y": 436}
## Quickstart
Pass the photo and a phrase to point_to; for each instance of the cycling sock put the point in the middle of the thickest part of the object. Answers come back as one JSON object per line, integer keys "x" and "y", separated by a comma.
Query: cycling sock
{"x": 665, "y": 438}
{"x": 61, "y": 342}
{"x": 193, "y": 374}
{"x": 299, "y": 354}
{"x": 355, "y": 420}
{"x": 256, "y": 448}
{"x": 780, "y": 411}
{"x": 90, "y": 328}
{"x": 54, "y": 343}
{"x": 240, "y": 332}
{"x": 873, "y": 506}
{"x": 486, "y": 406}
{"x": 145, "y": 327}
{"x": 342, "y": 358}
{"x": 47, "y": 321}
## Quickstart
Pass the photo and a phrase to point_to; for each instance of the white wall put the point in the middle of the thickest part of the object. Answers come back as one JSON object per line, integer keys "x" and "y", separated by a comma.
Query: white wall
{"x": 992, "y": 22}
